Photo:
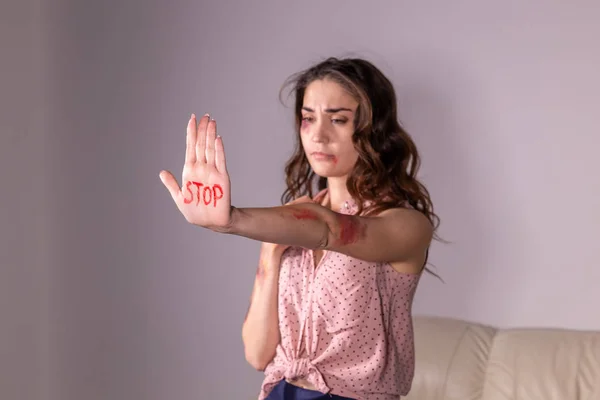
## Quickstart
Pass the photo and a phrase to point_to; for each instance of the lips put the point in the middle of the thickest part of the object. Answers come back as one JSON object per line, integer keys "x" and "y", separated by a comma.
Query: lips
{"x": 320, "y": 156}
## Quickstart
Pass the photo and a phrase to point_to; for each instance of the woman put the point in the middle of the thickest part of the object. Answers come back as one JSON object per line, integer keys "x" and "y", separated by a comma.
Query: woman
{"x": 330, "y": 312}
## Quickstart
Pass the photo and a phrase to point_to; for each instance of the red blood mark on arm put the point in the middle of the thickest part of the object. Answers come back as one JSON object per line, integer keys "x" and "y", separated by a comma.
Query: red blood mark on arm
{"x": 305, "y": 214}
{"x": 350, "y": 229}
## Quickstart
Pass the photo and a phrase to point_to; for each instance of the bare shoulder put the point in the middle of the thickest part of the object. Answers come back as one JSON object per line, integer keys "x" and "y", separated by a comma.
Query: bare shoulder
{"x": 411, "y": 230}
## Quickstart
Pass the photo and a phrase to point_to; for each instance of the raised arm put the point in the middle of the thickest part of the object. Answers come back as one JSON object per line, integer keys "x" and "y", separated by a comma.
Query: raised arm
{"x": 395, "y": 235}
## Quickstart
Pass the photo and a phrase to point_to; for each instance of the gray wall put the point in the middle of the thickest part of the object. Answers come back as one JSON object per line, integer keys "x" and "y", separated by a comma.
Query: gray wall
{"x": 24, "y": 242}
{"x": 106, "y": 292}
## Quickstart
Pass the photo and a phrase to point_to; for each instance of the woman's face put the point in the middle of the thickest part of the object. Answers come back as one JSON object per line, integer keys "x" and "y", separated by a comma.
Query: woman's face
{"x": 327, "y": 128}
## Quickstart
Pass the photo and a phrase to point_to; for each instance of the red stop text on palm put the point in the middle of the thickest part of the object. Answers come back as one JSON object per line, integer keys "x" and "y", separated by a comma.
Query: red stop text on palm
{"x": 202, "y": 193}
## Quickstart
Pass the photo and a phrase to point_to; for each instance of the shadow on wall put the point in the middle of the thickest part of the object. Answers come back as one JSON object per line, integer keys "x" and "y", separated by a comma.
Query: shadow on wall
{"x": 445, "y": 114}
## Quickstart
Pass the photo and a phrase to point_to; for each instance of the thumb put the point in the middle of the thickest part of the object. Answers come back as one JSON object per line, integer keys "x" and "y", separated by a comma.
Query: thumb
{"x": 170, "y": 183}
{"x": 303, "y": 199}
{"x": 319, "y": 197}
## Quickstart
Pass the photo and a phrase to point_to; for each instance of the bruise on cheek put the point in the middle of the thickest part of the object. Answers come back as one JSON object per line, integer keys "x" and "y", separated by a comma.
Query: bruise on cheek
{"x": 350, "y": 230}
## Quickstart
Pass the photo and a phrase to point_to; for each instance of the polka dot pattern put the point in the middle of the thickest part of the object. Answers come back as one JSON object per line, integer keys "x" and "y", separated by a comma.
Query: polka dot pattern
{"x": 346, "y": 325}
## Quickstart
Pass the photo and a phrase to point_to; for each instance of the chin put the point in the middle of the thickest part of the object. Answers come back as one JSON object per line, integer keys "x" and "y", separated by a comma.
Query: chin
{"x": 328, "y": 172}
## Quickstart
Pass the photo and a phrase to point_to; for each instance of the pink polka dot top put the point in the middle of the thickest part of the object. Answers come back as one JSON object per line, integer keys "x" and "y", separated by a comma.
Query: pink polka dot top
{"x": 346, "y": 325}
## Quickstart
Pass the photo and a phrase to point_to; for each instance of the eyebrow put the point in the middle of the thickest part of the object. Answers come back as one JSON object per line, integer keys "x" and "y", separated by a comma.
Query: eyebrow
{"x": 328, "y": 110}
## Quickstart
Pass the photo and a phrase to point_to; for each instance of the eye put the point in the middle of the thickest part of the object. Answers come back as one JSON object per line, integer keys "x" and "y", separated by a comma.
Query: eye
{"x": 307, "y": 119}
{"x": 339, "y": 121}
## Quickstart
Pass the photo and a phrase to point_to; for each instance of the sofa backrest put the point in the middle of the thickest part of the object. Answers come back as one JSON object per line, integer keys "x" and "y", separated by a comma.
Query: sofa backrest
{"x": 458, "y": 360}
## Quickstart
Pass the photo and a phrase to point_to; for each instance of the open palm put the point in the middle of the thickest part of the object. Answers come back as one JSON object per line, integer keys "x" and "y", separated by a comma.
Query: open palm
{"x": 204, "y": 198}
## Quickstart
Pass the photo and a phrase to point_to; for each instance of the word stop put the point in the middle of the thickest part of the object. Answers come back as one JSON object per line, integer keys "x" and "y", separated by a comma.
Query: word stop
{"x": 205, "y": 193}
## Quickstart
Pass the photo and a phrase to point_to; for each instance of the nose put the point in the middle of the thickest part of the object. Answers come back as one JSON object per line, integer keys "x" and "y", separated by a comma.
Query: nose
{"x": 319, "y": 132}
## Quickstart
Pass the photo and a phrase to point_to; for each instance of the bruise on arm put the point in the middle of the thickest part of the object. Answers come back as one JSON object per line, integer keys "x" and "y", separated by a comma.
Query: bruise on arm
{"x": 395, "y": 235}
{"x": 344, "y": 230}
{"x": 260, "y": 272}
{"x": 349, "y": 230}
{"x": 266, "y": 265}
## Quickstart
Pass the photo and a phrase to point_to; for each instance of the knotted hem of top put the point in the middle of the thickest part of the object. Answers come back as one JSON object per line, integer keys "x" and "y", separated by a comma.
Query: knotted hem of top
{"x": 300, "y": 368}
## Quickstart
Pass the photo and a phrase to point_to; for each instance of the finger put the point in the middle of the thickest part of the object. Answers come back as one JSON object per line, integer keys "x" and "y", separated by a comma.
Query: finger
{"x": 190, "y": 141}
{"x": 171, "y": 184}
{"x": 220, "y": 161}
{"x": 211, "y": 135}
{"x": 201, "y": 139}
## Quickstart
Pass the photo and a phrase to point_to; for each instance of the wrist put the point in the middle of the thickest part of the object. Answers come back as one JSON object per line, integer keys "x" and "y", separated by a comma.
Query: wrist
{"x": 229, "y": 227}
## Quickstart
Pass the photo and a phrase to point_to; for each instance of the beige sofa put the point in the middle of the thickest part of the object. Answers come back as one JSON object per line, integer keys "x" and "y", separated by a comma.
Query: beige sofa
{"x": 466, "y": 361}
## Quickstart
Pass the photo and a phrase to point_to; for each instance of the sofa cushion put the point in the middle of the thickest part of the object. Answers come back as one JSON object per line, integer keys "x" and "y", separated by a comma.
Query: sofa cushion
{"x": 549, "y": 364}
{"x": 460, "y": 360}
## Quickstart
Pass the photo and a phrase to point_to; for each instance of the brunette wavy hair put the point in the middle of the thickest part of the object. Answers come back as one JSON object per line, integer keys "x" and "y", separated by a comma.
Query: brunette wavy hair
{"x": 385, "y": 174}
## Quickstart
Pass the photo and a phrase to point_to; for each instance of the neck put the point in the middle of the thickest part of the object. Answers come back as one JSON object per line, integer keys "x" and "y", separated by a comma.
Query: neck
{"x": 338, "y": 193}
